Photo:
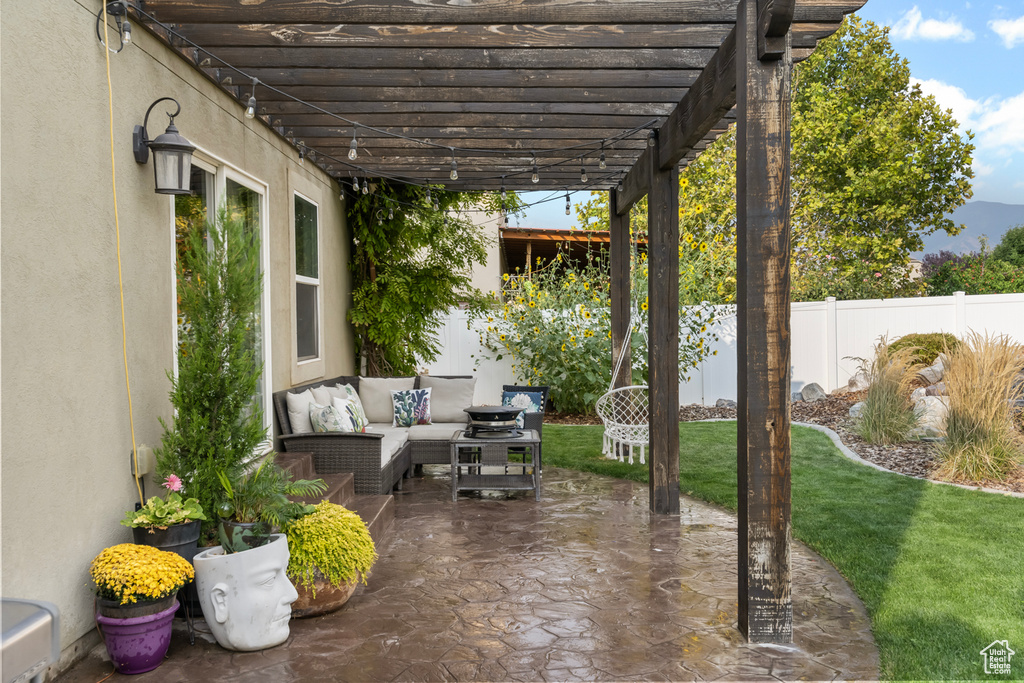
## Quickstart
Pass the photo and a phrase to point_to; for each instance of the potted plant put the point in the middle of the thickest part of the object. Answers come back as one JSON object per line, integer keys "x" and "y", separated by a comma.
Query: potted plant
{"x": 218, "y": 424}
{"x": 257, "y": 502}
{"x": 243, "y": 589}
{"x": 136, "y": 587}
{"x": 331, "y": 552}
{"x": 170, "y": 523}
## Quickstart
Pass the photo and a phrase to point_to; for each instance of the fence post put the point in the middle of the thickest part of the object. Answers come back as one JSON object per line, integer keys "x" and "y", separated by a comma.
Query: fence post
{"x": 960, "y": 315}
{"x": 831, "y": 343}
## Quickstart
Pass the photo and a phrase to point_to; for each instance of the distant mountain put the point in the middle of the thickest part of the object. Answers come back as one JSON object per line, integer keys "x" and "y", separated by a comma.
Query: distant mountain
{"x": 991, "y": 219}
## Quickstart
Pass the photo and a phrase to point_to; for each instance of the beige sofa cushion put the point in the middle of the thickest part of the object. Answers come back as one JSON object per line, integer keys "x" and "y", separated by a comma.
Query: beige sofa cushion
{"x": 435, "y": 432}
{"x": 394, "y": 439}
{"x": 448, "y": 398}
{"x": 375, "y": 395}
{"x": 298, "y": 411}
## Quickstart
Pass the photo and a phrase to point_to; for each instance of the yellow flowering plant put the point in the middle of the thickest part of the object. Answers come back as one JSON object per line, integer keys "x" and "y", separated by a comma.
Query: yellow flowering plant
{"x": 333, "y": 541}
{"x": 129, "y": 573}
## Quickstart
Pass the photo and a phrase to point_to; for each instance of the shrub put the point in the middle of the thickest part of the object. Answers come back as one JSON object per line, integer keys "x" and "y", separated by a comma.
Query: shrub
{"x": 981, "y": 380}
{"x": 925, "y": 347}
{"x": 333, "y": 541}
{"x": 976, "y": 274}
{"x": 555, "y": 322}
{"x": 1011, "y": 247}
{"x": 931, "y": 263}
{"x": 888, "y": 414}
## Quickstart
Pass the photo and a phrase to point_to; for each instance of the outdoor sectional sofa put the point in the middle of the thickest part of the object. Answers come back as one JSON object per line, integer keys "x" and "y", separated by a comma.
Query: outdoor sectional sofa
{"x": 381, "y": 456}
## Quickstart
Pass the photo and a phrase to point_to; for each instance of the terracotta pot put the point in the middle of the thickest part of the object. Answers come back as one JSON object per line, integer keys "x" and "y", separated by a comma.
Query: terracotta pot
{"x": 329, "y": 598}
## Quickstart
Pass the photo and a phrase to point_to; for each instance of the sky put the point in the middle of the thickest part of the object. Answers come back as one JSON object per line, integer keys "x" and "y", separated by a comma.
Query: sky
{"x": 968, "y": 55}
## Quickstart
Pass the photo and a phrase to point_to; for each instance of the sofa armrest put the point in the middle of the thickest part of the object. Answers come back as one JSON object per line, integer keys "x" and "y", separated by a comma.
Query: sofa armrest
{"x": 353, "y": 438}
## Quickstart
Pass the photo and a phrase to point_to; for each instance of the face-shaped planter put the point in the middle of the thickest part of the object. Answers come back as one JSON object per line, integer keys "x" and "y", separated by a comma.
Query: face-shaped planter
{"x": 246, "y": 597}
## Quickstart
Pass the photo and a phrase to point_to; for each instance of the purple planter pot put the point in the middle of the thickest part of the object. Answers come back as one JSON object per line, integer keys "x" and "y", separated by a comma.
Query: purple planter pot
{"x": 138, "y": 644}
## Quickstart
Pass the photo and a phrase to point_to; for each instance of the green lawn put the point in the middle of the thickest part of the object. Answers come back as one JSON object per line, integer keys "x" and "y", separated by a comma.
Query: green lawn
{"x": 940, "y": 569}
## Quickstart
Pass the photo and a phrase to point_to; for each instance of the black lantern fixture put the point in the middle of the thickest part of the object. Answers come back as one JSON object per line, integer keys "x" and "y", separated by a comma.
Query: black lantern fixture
{"x": 172, "y": 153}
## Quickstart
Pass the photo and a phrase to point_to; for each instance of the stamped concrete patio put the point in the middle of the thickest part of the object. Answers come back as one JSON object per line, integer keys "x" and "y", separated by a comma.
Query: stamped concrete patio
{"x": 583, "y": 585}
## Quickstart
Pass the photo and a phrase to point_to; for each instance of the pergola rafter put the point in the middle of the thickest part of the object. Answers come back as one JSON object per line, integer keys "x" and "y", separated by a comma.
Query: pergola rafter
{"x": 503, "y": 85}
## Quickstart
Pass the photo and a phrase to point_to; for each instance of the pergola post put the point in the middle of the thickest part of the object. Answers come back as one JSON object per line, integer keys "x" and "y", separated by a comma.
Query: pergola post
{"x": 763, "y": 284}
{"x": 620, "y": 291}
{"x": 663, "y": 335}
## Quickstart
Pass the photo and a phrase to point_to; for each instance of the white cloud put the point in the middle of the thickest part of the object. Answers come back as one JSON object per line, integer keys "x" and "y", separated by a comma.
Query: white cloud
{"x": 997, "y": 123}
{"x": 1010, "y": 30}
{"x": 912, "y": 26}
{"x": 982, "y": 169}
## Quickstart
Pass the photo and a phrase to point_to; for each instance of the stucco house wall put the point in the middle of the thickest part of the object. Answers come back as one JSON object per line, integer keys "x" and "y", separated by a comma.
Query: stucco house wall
{"x": 66, "y": 444}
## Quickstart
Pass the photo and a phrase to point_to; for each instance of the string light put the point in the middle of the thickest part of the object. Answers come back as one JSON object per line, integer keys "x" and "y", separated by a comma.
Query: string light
{"x": 535, "y": 178}
{"x": 503, "y": 192}
{"x": 583, "y": 172}
{"x": 619, "y": 185}
{"x": 391, "y": 213}
{"x": 454, "y": 175}
{"x": 352, "y": 153}
{"x": 366, "y": 186}
{"x": 302, "y": 150}
{"x": 250, "y": 108}
{"x": 428, "y": 194}
{"x": 602, "y": 164}
{"x": 355, "y": 185}
{"x": 566, "y": 203}
{"x": 651, "y": 135}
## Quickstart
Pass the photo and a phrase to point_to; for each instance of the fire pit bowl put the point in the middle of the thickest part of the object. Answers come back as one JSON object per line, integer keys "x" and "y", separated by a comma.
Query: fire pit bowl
{"x": 492, "y": 421}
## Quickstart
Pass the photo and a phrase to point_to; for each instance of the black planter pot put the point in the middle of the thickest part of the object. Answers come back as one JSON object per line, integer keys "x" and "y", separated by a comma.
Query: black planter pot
{"x": 182, "y": 539}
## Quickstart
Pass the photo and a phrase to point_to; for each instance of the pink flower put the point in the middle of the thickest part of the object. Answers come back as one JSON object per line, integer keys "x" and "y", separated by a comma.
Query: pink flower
{"x": 878, "y": 275}
{"x": 173, "y": 483}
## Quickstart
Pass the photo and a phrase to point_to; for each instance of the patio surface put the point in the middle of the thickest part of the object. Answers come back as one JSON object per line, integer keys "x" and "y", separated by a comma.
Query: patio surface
{"x": 582, "y": 585}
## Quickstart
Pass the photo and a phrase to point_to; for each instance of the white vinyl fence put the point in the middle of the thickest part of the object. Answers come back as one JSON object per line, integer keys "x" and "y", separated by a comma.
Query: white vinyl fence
{"x": 826, "y": 337}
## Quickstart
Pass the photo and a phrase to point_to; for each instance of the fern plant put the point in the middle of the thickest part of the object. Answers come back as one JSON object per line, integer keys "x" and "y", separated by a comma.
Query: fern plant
{"x": 261, "y": 495}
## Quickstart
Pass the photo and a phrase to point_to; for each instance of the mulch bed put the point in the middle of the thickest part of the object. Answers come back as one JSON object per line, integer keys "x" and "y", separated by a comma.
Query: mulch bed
{"x": 913, "y": 458}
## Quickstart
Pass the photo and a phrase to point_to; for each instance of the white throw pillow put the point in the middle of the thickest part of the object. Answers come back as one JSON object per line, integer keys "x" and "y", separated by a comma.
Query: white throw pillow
{"x": 328, "y": 419}
{"x": 321, "y": 395}
{"x": 298, "y": 411}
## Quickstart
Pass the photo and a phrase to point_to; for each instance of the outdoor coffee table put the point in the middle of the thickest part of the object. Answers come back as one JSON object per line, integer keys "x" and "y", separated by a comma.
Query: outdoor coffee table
{"x": 484, "y": 463}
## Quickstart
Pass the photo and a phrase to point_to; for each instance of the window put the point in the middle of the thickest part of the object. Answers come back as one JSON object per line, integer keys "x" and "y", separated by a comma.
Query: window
{"x": 307, "y": 280}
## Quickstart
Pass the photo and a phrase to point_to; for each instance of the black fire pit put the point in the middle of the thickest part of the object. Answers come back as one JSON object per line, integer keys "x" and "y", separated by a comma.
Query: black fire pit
{"x": 493, "y": 421}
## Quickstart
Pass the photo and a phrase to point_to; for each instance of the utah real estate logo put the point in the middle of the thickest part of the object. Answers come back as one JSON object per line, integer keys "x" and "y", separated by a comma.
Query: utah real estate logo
{"x": 996, "y": 657}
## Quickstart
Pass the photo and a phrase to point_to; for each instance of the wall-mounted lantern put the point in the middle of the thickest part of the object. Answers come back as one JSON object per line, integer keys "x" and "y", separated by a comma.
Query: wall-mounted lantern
{"x": 172, "y": 153}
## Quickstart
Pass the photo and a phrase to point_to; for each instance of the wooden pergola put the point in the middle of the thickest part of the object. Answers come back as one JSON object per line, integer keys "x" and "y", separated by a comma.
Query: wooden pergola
{"x": 504, "y": 87}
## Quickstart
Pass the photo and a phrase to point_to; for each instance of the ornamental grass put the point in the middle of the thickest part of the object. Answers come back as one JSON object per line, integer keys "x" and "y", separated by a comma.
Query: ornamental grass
{"x": 983, "y": 383}
{"x": 332, "y": 541}
{"x": 130, "y": 573}
{"x": 888, "y": 414}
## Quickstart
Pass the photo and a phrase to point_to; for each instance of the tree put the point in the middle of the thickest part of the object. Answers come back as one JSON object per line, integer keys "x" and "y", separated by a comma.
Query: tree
{"x": 1011, "y": 247}
{"x": 217, "y": 424}
{"x": 410, "y": 264}
{"x": 876, "y": 164}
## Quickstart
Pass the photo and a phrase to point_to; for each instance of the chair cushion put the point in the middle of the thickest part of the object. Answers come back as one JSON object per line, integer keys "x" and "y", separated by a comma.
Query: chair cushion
{"x": 449, "y": 397}
{"x": 394, "y": 440}
{"x": 298, "y": 411}
{"x": 529, "y": 401}
{"x": 412, "y": 407}
{"x": 438, "y": 431}
{"x": 375, "y": 394}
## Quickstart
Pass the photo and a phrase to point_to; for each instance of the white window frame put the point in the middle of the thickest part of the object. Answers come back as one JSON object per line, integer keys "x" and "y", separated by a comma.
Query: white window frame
{"x": 311, "y": 369}
{"x": 302, "y": 279}
{"x": 222, "y": 170}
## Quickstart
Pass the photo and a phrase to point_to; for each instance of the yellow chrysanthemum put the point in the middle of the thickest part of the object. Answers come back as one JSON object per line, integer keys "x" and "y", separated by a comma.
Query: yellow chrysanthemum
{"x": 505, "y": 277}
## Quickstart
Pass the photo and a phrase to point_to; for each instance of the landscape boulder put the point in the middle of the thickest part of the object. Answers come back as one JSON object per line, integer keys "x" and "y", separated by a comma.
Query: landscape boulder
{"x": 931, "y": 374}
{"x": 725, "y": 403}
{"x": 931, "y": 411}
{"x": 856, "y": 409}
{"x": 859, "y": 382}
{"x": 813, "y": 392}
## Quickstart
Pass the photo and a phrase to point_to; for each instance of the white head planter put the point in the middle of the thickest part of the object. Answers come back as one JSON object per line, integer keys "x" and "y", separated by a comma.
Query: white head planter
{"x": 246, "y": 597}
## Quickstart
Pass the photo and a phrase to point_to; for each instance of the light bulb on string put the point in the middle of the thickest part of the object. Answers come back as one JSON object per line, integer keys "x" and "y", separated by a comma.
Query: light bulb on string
{"x": 454, "y": 175}
{"x": 428, "y": 194}
{"x": 566, "y": 203}
{"x": 355, "y": 184}
{"x": 250, "y": 108}
{"x": 602, "y": 164}
{"x": 353, "y": 146}
{"x": 583, "y": 173}
{"x": 502, "y": 193}
{"x": 619, "y": 186}
{"x": 366, "y": 186}
{"x": 391, "y": 213}
{"x": 651, "y": 135}
{"x": 535, "y": 178}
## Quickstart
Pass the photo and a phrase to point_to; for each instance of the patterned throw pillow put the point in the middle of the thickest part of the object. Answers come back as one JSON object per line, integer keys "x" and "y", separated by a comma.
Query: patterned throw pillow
{"x": 328, "y": 419}
{"x": 349, "y": 392}
{"x": 351, "y": 412}
{"x": 529, "y": 401}
{"x": 412, "y": 407}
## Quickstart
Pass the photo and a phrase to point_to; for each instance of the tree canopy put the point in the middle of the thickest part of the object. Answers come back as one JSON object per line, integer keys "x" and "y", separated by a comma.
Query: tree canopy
{"x": 876, "y": 164}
